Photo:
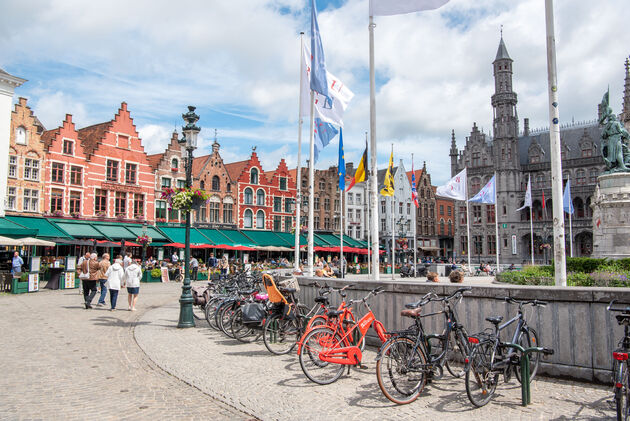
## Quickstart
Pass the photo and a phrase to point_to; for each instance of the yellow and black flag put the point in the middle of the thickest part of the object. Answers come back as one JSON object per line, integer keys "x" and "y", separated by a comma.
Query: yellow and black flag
{"x": 388, "y": 190}
{"x": 359, "y": 174}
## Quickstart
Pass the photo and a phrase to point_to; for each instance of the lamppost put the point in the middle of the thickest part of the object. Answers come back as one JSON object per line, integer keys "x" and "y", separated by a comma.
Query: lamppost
{"x": 144, "y": 245}
{"x": 401, "y": 227}
{"x": 189, "y": 140}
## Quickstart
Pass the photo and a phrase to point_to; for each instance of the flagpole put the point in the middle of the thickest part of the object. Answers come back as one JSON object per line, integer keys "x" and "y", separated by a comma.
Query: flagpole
{"x": 341, "y": 229}
{"x": 298, "y": 197}
{"x": 531, "y": 229}
{"x": 374, "y": 191}
{"x": 570, "y": 235}
{"x": 393, "y": 239}
{"x": 468, "y": 223}
{"x": 311, "y": 190}
{"x": 496, "y": 219}
{"x": 415, "y": 246}
{"x": 559, "y": 249}
{"x": 367, "y": 218}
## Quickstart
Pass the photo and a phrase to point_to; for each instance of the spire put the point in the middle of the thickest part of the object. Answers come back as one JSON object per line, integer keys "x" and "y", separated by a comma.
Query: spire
{"x": 625, "y": 112}
{"x": 502, "y": 53}
{"x": 215, "y": 145}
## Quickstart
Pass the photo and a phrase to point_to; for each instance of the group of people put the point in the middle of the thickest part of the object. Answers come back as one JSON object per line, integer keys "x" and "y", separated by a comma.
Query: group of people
{"x": 124, "y": 272}
{"x": 456, "y": 277}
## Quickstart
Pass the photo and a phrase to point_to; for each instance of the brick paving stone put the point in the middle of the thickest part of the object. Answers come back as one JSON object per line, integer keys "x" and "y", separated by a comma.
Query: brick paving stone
{"x": 271, "y": 387}
{"x": 60, "y": 361}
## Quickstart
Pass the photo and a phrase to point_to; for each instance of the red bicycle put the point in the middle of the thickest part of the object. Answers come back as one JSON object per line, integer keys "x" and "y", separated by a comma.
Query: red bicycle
{"x": 326, "y": 350}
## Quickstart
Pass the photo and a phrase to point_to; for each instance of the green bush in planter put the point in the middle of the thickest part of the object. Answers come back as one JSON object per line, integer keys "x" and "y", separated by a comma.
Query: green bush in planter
{"x": 23, "y": 277}
{"x": 156, "y": 273}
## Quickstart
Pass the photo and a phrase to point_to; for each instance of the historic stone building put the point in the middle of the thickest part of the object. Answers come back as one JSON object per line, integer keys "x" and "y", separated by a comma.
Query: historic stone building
{"x": 25, "y": 182}
{"x": 326, "y": 205}
{"x": 445, "y": 224}
{"x": 356, "y": 207}
{"x": 425, "y": 214}
{"x": 169, "y": 170}
{"x": 515, "y": 157}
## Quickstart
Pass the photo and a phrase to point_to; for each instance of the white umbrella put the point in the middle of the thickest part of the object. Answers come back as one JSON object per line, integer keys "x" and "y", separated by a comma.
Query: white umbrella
{"x": 30, "y": 241}
{"x": 6, "y": 241}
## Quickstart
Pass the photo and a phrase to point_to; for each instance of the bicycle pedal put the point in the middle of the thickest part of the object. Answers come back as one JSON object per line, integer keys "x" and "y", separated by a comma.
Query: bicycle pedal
{"x": 362, "y": 366}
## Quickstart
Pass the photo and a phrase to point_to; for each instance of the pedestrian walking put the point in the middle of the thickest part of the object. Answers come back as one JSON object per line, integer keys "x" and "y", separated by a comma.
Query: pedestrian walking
{"x": 212, "y": 261}
{"x": 133, "y": 274}
{"x": 103, "y": 265}
{"x": 127, "y": 260}
{"x": 16, "y": 265}
{"x": 194, "y": 265}
{"x": 89, "y": 284}
{"x": 115, "y": 274}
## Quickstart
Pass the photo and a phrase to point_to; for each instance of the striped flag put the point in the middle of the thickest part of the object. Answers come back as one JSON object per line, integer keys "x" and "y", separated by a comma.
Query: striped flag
{"x": 414, "y": 192}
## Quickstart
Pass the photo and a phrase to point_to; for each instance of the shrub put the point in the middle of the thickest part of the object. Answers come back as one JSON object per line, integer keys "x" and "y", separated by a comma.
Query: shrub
{"x": 584, "y": 264}
{"x": 156, "y": 273}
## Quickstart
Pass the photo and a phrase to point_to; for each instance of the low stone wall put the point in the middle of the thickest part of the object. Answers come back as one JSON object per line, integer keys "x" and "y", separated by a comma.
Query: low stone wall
{"x": 575, "y": 324}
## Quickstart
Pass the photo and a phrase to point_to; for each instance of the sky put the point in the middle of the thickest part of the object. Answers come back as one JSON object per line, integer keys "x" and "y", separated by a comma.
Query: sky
{"x": 238, "y": 62}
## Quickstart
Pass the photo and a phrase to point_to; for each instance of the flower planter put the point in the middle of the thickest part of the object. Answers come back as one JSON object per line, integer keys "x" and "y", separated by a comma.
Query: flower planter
{"x": 18, "y": 287}
{"x": 364, "y": 271}
{"x": 146, "y": 277}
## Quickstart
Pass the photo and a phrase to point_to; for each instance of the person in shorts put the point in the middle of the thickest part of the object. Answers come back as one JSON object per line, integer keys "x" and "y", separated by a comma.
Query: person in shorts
{"x": 133, "y": 274}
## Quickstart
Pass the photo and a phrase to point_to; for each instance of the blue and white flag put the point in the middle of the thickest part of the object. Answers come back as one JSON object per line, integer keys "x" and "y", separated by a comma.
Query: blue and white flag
{"x": 324, "y": 133}
{"x": 455, "y": 188}
{"x": 341, "y": 163}
{"x": 319, "y": 82}
{"x": 528, "y": 195}
{"x": 487, "y": 194}
{"x": 567, "y": 203}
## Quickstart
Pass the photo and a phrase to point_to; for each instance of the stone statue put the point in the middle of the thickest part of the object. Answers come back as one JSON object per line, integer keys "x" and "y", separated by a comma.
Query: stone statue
{"x": 615, "y": 139}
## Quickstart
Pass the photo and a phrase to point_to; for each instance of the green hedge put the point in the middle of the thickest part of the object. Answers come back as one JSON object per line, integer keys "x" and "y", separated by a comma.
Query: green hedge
{"x": 591, "y": 264}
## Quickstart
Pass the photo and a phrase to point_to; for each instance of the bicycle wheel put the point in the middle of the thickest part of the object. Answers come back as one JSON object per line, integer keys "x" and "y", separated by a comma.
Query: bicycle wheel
{"x": 281, "y": 334}
{"x": 456, "y": 354}
{"x": 620, "y": 373}
{"x": 527, "y": 340}
{"x": 315, "y": 342}
{"x": 224, "y": 316}
{"x": 210, "y": 310}
{"x": 401, "y": 370}
{"x": 199, "y": 312}
{"x": 481, "y": 381}
{"x": 241, "y": 331}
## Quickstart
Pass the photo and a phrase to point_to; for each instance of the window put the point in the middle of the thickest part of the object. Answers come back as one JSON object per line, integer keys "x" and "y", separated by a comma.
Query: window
{"x": 138, "y": 205}
{"x": 304, "y": 181}
{"x": 450, "y": 227}
{"x": 31, "y": 200}
{"x": 492, "y": 244}
{"x": 462, "y": 215}
{"x": 75, "y": 175}
{"x": 476, "y": 159}
{"x": 75, "y": 202}
{"x": 592, "y": 176}
{"x": 449, "y": 211}
{"x": 227, "y": 213}
{"x": 316, "y": 203}
{"x": 248, "y": 196}
{"x": 316, "y": 222}
{"x": 160, "y": 209}
{"x": 288, "y": 204}
{"x": 478, "y": 244}
{"x": 12, "y": 166}
{"x": 112, "y": 170}
{"x": 174, "y": 164}
{"x": 277, "y": 223}
{"x": 31, "y": 169}
{"x": 57, "y": 172}
{"x": 383, "y": 225}
{"x": 587, "y": 151}
{"x": 229, "y": 187}
{"x": 260, "y": 198}
{"x": 100, "y": 201}
{"x": 350, "y": 198}
{"x": 326, "y": 223}
{"x": 173, "y": 215}
{"x": 20, "y": 135}
{"x": 288, "y": 223}
{"x": 358, "y": 215}
{"x": 253, "y": 176}
{"x": 475, "y": 185}
{"x": 121, "y": 203}
{"x": 260, "y": 219}
{"x": 202, "y": 185}
{"x": 383, "y": 207}
{"x": 580, "y": 176}
{"x": 400, "y": 208}
{"x": 408, "y": 208}
{"x": 56, "y": 200}
{"x": 578, "y": 205}
{"x": 432, "y": 209}
{"x": 166, "y": 183}
{"x": 213, "y": 211}
{"x": 11, "y": 198}
{"x": 441, "y": 210}
{"x": 181, "y": 184}
{"x": 490, "y": 214}
{"x": 283, "y": 183}
{"x": 216, "y": 183}
{"x": 476, "y": 211}
{"x": 326, "y": 204}
{"x": 336, "y": 205}
{"x": 322, "y": 185}
{"x": 131, "y": 173}
{"x": 464, "y": 244}
{"x": 277, "y": 204}
{"x": 441, "y": 226}
{"x": 68, "y": 147}
{"x": 202, "y": 214}
{"x": 358, "y": 198}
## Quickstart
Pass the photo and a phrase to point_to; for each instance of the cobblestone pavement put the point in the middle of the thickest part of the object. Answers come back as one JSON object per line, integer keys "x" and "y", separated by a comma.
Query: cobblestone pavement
{"x": 60, "y": 361}
{"x": 274, "y": 387}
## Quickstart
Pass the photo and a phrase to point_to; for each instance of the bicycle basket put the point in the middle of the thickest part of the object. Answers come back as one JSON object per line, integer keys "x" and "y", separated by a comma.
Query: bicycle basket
{"x": 253, "y": 312}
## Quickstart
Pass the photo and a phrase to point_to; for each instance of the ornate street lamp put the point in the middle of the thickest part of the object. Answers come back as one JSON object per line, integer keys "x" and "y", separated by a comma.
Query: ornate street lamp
{"x": 189, "y": 141}
{"x": 144, "y": 245}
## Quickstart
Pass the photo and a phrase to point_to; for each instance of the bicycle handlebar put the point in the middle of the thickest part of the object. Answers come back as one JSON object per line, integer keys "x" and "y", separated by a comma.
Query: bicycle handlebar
{"x": 375, "y": 291}
{"x": 524, "y": 302}
{"x": 619, "y": 309}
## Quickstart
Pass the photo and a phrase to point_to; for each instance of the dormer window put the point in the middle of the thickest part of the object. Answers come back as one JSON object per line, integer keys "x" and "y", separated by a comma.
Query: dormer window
{"x": 20, "y": 135}
{"x": 174, "y": 164}
{"x": 68, "y": 147}
{"x": 253, "y": 176}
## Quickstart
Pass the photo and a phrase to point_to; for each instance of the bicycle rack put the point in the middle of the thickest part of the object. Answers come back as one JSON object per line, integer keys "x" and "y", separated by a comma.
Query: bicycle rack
{"x": 526, "y": 394}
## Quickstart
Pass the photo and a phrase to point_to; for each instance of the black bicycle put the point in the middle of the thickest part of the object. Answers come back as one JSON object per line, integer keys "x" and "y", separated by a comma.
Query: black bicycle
{"x": 620, "y": 363}
{"x": 490, "y": 357}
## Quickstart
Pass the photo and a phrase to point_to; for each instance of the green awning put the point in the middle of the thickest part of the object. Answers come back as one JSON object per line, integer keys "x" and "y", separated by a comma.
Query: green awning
{"x": 79, "y": 229}
{"x": 215, "y": 236}
{"x": 178, "y": 235}
{"x": 115, "y": 232}
{"x": 265, "y": 238}
{"x": 14, "y": 230}
{"x": 152, "y": 232}
{"x": 290, "y": 238}
{"x": 352, "y": 242}
{"x": 319, "y": 242}
{"x": 237, "y": 238}
{"x": 45, "y": 228}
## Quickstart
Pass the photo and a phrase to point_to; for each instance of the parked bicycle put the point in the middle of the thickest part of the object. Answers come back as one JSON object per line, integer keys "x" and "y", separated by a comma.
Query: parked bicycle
{"x": 620, "y": 363}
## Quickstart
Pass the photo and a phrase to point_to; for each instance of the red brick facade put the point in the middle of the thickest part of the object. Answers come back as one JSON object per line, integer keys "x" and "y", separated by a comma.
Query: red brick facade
{"x": 169, "y": 168}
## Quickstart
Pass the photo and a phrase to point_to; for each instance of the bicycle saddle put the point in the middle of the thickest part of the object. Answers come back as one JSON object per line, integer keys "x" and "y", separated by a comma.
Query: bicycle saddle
{"x": 623, "y": 319}
{"x": 288, "y": 290}
{"x": 321, "y": 300}
{"x": 411, "y": 313}
{"x": 495, "y": 320}
{"x": 334, "y": 313}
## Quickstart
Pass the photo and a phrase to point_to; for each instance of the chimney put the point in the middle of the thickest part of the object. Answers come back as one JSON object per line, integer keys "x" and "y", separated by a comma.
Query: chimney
{"x": 526, "y": 127}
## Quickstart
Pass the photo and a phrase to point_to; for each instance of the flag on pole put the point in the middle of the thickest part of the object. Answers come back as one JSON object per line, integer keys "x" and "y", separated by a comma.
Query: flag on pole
{"x": 399, "y": 7}
{"x": 528, "y": 195}
{"x": 414, "y": 192}
{"x": 567, "y": 203}
{"x": 359, "y": 174}
{"x": 455, "y": 188}
{"x": 324, "y": 133}
{"x": 331, "y": 108}
{"x": 544, "y": 205}
{"x": 318, "y": 63}
{"x": 341, "y": 163}
{"x": 486, "y": 194}
{"x": 388, "y": 190}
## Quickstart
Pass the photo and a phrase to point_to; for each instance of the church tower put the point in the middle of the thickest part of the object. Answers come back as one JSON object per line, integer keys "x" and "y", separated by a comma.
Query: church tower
{"x": 453, "y": 154}
{"x": 625, "y": 113}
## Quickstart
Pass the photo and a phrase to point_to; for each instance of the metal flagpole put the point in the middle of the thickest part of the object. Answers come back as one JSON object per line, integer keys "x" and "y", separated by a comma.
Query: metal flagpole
{"x": 570, "y": 235}
{"x": 298, "y": 197}
{"x": 468, "y": 223}
{"x": 415, "y": 239}
{"x": 367, "y": 213}
{"x": 531, "y": 229}
{"x": 496, "y": 219}
{"x": 311, "y": 191}
{"x": 341, "y": 230}
{"x": 559, "y": 250}
{"x": 374, "y": 191}
{"x": 393, "y": 234}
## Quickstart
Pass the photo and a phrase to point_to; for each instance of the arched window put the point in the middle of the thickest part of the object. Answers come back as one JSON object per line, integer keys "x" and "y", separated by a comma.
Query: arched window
{"x": 20, "y": 135}
{"x": 475, "y": 185}
{"x": 441, "y": 226}
{"x": 253, "y": 179}
{"x": 248, "y": 217}
{"x": 588, "y": 212}
{"x": 260, "y": 198}
{"x": 202, "y": 185}
{"x": 260, "y": 220}
{"x": 174, "y": 163}
{"x": 216, "y": 184}
{"x": 249, "y": 198}
{"x": 536, "y": 210}
{"x": 580, "y": 176}
{"x": 578, "y": 205}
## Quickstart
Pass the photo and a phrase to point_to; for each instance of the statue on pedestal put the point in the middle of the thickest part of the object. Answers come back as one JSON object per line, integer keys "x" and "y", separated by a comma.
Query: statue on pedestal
{"x": 615, "y": 139}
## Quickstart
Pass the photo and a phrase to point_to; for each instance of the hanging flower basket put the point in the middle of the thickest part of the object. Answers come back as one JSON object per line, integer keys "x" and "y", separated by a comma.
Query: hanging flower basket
{"x": 185, "y": 199}
{"x": 144, "y": 240}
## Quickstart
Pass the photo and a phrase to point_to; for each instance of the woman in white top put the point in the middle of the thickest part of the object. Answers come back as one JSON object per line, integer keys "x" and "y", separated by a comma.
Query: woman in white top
{"x": 114, "y": 274}
{"x": 133, "y": 274}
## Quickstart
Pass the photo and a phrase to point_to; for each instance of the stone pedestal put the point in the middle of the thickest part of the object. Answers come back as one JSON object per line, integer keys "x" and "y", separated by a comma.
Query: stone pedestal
{"x": 611, "y": 216}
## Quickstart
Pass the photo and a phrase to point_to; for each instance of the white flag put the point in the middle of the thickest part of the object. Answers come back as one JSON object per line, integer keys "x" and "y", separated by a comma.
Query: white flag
{"x": 455, "y": 188}
{"x": 528, "y": 195}
{"x": 399, "y": 7}
{"x": 328, "y": 110}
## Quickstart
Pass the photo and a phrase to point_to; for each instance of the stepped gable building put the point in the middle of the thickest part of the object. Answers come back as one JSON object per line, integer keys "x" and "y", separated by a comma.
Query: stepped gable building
{"x": 26, "y": 173}
{"x": 515, "y": 157}
{"x": 210, "y": 174}
{"x": 326, "y": 205}
{"x": 445, "y": 224}
{"x": 356, "y": 204}
{"x": 425, "y": 214}
{"x": 169, "y": 170}
{"x": 100, "y": 171}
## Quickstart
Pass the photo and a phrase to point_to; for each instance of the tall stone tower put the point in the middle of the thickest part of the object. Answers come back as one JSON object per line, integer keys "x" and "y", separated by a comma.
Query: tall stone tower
{"x": 453, "y": 154}
{"x": 625, "y": 112}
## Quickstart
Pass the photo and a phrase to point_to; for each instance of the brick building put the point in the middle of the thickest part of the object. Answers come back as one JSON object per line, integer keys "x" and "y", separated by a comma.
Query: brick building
{"x": 425, "y": 214}
{"x": 326, "y": 205}
{"x": 445, "y": 227}
{"x": 168, "y": 167}
{"x": 25, "y": 182}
